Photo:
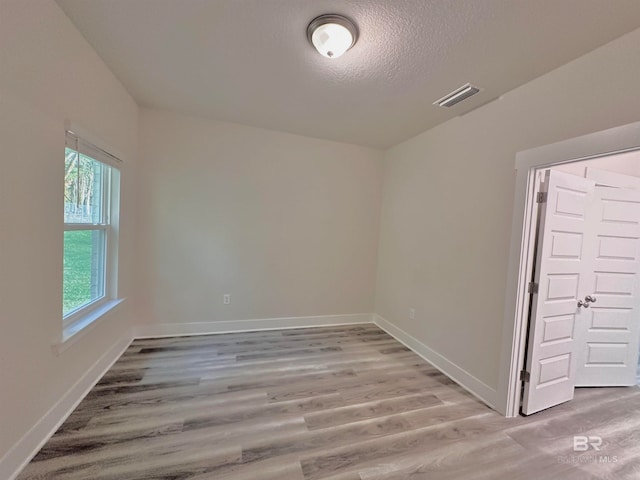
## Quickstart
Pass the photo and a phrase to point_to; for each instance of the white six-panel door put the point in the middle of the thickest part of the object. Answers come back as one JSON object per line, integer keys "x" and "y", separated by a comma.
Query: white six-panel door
{"x": 585, "y": 318}
{"x": 551, "y": 357}
{"x": 609, "y": 331}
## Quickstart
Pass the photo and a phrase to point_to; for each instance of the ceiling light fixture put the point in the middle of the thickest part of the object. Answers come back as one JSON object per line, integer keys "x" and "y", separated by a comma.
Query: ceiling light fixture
{"x": 332, "y": 35}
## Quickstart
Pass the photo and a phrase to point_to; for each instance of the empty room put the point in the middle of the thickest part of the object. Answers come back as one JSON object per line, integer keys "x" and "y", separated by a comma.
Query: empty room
{"x": 319, "y": 239}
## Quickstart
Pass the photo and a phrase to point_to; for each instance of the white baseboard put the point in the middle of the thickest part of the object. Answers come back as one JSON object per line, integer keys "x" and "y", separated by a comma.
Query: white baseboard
{"x": 26, "y": 448}
{"x": 206, "y": 328}
{"x": 463, "y": 378}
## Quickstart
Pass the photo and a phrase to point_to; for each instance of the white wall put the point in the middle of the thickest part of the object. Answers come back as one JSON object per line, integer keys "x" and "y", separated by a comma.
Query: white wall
{"x": 627, "y": 163}
{"x": 288, "y": 225}
{"x": 48, "y": 73}
{"x": 447, "y": 201}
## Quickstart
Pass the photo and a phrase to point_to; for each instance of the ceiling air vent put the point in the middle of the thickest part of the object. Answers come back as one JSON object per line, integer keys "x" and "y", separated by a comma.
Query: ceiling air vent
{"x": 457, "y": 95}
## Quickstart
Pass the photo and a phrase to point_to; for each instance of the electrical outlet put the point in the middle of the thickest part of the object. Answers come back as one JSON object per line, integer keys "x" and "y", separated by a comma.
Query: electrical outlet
{"x": 226, "y": 299}
{"x": 412, "y": 314}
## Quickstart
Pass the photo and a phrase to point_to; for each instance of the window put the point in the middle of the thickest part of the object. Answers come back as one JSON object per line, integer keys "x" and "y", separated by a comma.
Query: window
{"x": 91, "y": 182}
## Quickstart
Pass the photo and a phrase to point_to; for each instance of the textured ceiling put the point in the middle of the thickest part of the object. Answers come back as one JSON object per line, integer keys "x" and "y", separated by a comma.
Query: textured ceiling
{"x": 248, "y": 61}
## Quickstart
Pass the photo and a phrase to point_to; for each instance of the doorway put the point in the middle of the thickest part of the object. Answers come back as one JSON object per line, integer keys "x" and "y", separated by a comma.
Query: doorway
{"x": 584, "y": 320}
{"x": 602, "y": 147}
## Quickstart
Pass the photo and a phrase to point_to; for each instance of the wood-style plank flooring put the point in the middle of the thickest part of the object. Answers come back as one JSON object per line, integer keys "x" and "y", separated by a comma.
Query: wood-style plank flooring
{"x": 339, "y": 403}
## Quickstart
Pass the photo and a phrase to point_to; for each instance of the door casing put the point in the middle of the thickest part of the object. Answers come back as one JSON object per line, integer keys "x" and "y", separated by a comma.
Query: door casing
{"x": 521, "y": 254}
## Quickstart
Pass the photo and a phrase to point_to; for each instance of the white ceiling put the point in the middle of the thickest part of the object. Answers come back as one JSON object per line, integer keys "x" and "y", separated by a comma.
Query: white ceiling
{"x": 248, "y": 61}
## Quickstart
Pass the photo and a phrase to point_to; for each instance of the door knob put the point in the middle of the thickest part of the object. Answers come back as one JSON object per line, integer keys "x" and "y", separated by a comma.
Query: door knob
{"x": 583, "y": 304}
{"x": 590, "y": 298}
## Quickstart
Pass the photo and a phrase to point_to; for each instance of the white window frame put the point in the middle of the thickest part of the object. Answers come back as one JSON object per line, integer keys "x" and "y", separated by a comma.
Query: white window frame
{"x": 78, "y": 319}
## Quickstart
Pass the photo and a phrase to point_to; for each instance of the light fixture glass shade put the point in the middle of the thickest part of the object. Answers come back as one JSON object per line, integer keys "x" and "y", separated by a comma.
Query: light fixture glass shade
{"x": 332, "y": 35}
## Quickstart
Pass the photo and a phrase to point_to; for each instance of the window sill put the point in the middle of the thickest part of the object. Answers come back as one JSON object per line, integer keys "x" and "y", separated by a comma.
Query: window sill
{"x": 76, "y": 330}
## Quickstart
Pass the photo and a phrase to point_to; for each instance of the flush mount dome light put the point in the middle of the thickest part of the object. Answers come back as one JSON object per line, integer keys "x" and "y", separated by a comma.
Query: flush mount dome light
{"x": 332, "y": 35}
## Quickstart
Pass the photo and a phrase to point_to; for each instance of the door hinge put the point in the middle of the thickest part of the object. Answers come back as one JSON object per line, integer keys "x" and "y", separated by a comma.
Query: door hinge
{"x": 532, "y": 287}
{"x": 542, "y": 197}
{"x": 525, "y": 376}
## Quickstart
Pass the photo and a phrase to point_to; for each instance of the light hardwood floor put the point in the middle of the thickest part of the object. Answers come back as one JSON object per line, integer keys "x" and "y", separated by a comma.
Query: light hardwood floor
{"x": 340, "y": 403}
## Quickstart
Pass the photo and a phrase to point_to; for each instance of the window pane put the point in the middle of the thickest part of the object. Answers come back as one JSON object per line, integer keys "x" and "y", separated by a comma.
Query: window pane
{"x": 83, "y": 188}
{"x": 84, "y": 267}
